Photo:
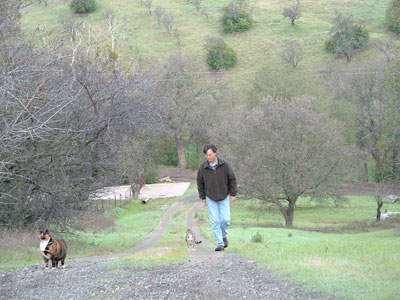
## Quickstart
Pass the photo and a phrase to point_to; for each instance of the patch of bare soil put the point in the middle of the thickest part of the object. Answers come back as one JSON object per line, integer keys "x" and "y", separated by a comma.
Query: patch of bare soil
{"x": 177, "y": 174}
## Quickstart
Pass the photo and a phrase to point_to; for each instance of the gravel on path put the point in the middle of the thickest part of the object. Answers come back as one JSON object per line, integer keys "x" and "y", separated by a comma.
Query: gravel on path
{"x": 205, "y": 275}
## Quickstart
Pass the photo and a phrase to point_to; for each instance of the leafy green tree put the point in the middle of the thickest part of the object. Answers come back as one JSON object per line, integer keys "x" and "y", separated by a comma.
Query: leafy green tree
{"x": 219, "y": 55}
{"x": 393, "y": 16}
{"x": 347, "y": 36}
{"x": 235, "y": 18}
{"x": 83, "y": 6}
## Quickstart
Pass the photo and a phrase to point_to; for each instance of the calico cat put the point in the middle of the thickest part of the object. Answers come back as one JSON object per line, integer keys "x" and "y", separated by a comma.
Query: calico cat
{"x": 191, "y": 239}
{"x": 52, "y": 249}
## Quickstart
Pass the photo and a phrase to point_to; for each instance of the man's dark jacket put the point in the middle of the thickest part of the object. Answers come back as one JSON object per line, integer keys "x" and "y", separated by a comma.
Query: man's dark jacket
{"x": 216, "y": 184}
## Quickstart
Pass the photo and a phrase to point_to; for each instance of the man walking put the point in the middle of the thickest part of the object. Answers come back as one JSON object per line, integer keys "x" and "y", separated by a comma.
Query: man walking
{"x": 216, "y": 183}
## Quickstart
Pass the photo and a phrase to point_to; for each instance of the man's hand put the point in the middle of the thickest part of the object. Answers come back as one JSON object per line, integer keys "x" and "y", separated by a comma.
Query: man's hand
{"x": 233, "y": 198}
{"x": 204, "y": 202}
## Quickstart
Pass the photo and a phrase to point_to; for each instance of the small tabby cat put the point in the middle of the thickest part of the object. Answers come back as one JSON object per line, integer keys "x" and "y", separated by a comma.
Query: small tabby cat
{"x": 191, "y": 239}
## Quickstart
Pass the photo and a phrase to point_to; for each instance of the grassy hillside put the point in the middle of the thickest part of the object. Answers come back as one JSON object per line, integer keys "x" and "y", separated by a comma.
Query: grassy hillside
{"x": 260, "y": 46}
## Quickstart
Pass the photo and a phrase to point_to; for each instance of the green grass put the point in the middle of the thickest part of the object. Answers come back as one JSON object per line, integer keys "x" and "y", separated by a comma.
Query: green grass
{"x": 171, "y": 249}
{"x": 354, "y": 259}
{"x": 358, "y": 210}
{"x": 131, "y": 224}
{"x": 353, "y": 266}
{"x": 255, "y": 48}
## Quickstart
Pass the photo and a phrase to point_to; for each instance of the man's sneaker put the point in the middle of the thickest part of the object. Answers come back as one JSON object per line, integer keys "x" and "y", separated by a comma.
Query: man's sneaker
{"x": 225, "y": 242}
{"x": 219, "y": 248}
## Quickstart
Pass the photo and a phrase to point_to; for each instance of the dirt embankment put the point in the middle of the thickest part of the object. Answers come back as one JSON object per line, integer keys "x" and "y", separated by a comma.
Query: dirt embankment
{"x": 178, "y": 174}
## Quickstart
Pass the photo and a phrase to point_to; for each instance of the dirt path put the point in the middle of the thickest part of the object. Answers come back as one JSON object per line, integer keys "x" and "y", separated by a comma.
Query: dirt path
{"x": 206, "y": 275}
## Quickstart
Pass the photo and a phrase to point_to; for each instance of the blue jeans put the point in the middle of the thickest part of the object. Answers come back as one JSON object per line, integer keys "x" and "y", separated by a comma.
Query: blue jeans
{"x": 220, "y": 218}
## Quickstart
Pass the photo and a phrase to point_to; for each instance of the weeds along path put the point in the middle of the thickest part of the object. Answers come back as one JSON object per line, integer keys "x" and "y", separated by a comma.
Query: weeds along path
{"x": 205, "y": 275}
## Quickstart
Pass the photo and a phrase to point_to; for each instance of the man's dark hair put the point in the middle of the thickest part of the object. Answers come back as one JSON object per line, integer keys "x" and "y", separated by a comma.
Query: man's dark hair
{"x": 210, "y": 146}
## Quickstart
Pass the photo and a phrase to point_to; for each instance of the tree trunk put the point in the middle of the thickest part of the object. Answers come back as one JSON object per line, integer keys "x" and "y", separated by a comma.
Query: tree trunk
{"x": 395, "y": 163}
{"x": 289, "y": 216}
{"x": 378, "y": 172}
{"x": 378, "y": 210}
{"x": 181, "y": 151}
{"x": 366, "y": 173}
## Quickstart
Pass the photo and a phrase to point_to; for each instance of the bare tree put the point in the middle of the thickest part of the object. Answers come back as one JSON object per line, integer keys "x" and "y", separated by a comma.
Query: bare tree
{"x": 393, "y": 119}
{"x": 159, "y": 12}
{"x": 177, "y": 35}
{"x": 184, "y": 94}
{"x": 366, "y": 91}
{"x": 284, "y": 149}
{"x": 137, "y": 160}
{"x": 389, "y": 48}
{"x": 292, "y": 12}
{"x": 168, "y": 20}
{"x": 240, "y": 3}
{"x": 72, "y": 26}
{"x": 291, "y": 53}
{"x": 112, "y": 26}
{"x": 205, "y": 11}
{"x": 148, "y": 4}
{"x": 64, "y": 118}
{"x": 197, "y": 4}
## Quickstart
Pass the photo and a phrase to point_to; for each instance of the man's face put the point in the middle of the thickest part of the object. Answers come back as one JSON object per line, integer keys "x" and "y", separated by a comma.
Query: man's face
{"x": 211, "y": 156}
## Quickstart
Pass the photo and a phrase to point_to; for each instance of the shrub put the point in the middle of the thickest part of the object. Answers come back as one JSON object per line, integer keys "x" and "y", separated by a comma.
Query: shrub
{"x": 219, "y": 55}
{"x": 346, "y": 36}
{"x": 83, "y": 6}
{"x": 356, "y": 38}
{"x": 194, "y": 156}
{"x": 330, "y": 46}
{"x": 393, "y": 16}
{"x": 257, "y": 238}
{"x": 151, "y": 174}
{"x": 235, "y": 19}
{"x": 165, "y": 151}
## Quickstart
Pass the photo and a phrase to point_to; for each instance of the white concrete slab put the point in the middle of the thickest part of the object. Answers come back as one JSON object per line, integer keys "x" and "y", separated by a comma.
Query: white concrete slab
{"x": 163, "y": 190}
{"x": 113, "y": 192}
